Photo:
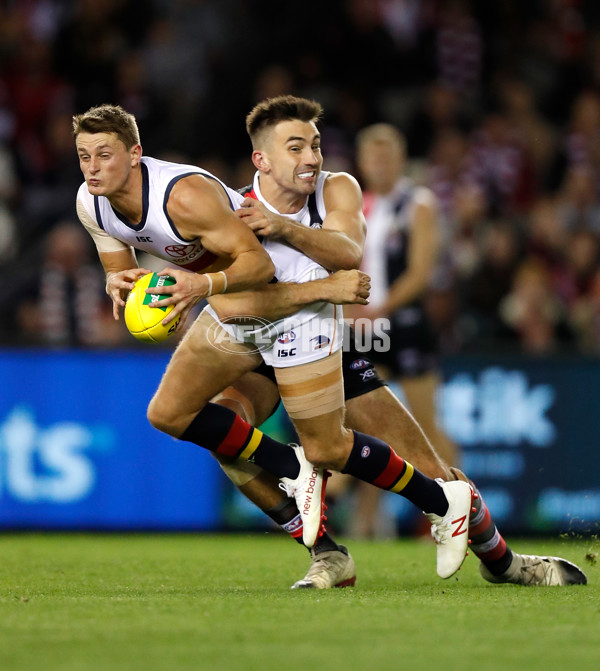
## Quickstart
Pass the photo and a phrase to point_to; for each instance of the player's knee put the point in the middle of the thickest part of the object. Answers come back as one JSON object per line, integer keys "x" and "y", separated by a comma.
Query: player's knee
{"x": 161, "y": 419}
{"x": 326, "y": 454}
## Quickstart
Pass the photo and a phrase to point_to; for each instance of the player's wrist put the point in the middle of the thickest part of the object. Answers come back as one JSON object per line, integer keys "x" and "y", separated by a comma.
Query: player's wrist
{"x": 321, "y": 290}
{"x": 109, "y": 275}
{"x": 217, "y": 283}
{"x": 287, "y": 228}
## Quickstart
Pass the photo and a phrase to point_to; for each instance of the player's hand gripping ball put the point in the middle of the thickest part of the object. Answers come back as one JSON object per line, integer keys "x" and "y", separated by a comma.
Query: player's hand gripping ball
{"x": 144, "y": 322}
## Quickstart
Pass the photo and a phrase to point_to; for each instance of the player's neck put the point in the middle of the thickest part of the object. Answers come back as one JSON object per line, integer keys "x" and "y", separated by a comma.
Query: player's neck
{"x": 283, "y": 200}
{"x": 128, "y": 201}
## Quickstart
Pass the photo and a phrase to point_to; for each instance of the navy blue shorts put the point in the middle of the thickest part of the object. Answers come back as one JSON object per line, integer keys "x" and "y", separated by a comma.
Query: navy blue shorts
{"x": 413, "y": 343}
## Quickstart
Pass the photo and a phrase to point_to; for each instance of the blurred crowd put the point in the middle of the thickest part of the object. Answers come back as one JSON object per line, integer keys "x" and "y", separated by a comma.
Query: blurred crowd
{"x": 499, "y": 103}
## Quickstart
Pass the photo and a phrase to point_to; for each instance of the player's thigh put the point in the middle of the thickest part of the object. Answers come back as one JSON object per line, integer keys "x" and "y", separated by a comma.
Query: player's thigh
{"x": 380, "y": 413}
{"x": 198, "y": 370}
{"x": 253, "y": 396}
{"x": 313, "y": 395}
{"x": 420, "y": 392}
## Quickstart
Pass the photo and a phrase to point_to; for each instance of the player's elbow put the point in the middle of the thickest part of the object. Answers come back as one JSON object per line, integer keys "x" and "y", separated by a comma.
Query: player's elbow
{"x": 265, "y": 271}
{"x": 353, "y": 261}
{"x": 350, "y": 259}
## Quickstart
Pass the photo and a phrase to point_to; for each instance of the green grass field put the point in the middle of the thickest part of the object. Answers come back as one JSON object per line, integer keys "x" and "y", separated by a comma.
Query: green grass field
{"x": 179, "y": 602}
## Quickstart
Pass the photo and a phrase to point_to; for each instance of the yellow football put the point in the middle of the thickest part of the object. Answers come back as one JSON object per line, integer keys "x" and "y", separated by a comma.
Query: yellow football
{"x": 143, "y": 321}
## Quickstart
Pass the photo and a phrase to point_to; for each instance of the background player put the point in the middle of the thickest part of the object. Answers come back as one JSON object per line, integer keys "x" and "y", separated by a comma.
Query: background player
{"x": 400, "y": 256}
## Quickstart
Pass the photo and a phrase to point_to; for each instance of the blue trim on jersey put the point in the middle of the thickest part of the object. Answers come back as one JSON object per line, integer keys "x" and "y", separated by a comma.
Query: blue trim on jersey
{"x": 315, "y": 218}
{"x": 145, "y": 199}
{"x": 97, "y": 209}
{"x": 168, "y": 190}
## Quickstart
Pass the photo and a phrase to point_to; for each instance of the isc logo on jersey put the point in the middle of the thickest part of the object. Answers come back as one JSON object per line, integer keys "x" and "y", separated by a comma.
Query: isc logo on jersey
{"x": 145, "y": 322}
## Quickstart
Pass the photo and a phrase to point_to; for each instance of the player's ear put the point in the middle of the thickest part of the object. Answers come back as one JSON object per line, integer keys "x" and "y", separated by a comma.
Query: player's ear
{"x": 260, "y": 160}
{"x": 136, "y": 154}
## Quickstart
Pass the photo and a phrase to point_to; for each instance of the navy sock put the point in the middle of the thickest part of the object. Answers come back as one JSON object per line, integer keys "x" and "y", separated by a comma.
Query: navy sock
{"x": 375, "y": 462}
{"x": 221, "y": 430}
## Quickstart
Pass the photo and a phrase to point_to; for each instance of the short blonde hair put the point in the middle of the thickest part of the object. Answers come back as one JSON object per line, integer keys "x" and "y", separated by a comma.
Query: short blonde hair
{"x": 108, "y": 119}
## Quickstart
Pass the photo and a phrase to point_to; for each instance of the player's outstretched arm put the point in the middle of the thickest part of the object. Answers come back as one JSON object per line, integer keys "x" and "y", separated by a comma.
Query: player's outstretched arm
{"x": 276, "y": 301}
{"x": 338, "y": 245}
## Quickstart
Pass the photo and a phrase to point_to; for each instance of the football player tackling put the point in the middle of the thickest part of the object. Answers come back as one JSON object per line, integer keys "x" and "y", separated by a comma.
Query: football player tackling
{"x": 132, "y": 201}
{"x": 289, "y": 191}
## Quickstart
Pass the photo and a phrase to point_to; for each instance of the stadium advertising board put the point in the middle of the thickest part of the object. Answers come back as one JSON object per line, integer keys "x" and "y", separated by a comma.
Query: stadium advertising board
{"x": 76, "y": 450}
{"x": 530, "y": 431}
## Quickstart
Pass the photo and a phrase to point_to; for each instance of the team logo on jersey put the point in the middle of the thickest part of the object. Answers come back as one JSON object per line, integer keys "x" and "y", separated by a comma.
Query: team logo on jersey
{"x": 182, "y": 251}
{"x": 320, "y": 341}
{"x": 359, "y": 364}
{"x": 286, "y": 338}
{"x": 193, "y": 257}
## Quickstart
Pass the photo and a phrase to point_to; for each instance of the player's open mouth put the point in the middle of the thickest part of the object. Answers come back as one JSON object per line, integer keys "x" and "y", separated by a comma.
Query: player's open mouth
{"x": 306, "y": 175}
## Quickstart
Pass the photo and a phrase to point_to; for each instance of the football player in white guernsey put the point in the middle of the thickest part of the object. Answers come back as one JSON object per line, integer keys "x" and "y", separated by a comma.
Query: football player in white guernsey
{"x": 311, "y": 220}
{"x": 110, "y": 157}
{"x": 182, "y": 213}
{"x": 287, "y": 156}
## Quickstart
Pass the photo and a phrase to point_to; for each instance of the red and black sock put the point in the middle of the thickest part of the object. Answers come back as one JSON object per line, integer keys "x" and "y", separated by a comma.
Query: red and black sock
{"x": 486, "y": 541}
{"x": 221, "y": 430}
{"x": 375, "y": 462}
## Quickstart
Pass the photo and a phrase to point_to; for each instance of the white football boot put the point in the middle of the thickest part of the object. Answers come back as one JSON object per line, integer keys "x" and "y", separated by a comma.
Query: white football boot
{"x": 333, "y": 568}
{"x": 308, "y": 490}
{"x": 450, "y": 532}
{"x": 534, "y": 570}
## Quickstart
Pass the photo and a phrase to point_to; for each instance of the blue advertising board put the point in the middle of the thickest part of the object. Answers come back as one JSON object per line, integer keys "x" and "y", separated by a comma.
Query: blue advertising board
{"x": 530, "y": 434}
{"x": 77, "y": 452}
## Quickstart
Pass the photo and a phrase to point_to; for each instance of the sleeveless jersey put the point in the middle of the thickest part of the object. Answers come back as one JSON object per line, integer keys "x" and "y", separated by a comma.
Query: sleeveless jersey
{"x": 315, "y": 331}
{"x": 292, "y": 265}
{"x": 156, "y": 232}
{"x": 389, "y": 228}
{"x": 389, "y": 225}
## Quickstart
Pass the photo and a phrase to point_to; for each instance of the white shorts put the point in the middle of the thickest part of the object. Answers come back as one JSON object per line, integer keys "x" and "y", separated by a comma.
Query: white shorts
{"x": 309, "y": 335}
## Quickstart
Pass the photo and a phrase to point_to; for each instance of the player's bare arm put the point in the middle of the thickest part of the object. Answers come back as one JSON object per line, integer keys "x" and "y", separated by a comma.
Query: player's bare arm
{"x": 199, "y": 208}
{"x": 338, "y": 245}
{"x": 276, "y": 301}
{"x": 422, "y": 257}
